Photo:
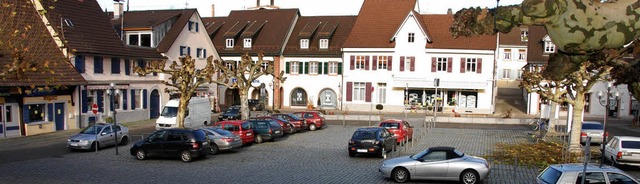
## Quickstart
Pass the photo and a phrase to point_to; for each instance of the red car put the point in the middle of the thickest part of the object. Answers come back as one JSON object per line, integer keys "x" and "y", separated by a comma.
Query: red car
{"x": 286, "y": 126}
{"x": 238, "y": 127}
{"x": 315, "y": 120}
{"x": 298, "y": 123}
{"x": 400, "y": 128}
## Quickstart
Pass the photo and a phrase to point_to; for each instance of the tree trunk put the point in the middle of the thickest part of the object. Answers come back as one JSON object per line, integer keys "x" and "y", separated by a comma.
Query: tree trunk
{"x": 182, "y": 109}
{"x": 244, "y": 102}
{"x": 576, "y": 123}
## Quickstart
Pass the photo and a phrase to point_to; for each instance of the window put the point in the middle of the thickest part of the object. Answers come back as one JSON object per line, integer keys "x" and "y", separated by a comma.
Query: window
{"x": 524, "y": 35}
{"x": 80, "y": 64}
{"x": 295, "y": 69}
{"x": 313, "y": 67}
{"x": 587, "y": 102}
{"x": 201, "y": 53}
{"x": 549, "y": 47}
{"x": 382, "y": 62}
{"x": 247, "y": 43}
{"x": 264, "y": 65}
{"x": 97, "y": 64}
{"x": 138, "y": 98}
{"x": 617, "y": 178}
{"x": 333, "y": 68}
{"x": 115, "y": 65}
{"x": 304, "y": 43}
{"x": 324, "y": 43}
{"x": 407, "y": 64}
{"x": 435, "y": 156}
{"x": 506, "y": 73}
{"x": 359, "y": 91}
{"x": 299, "y": 97}
{"x": 193, "y": 26}
{"x": 522, "y": 55}
{"x": 139, "y": 39}
{"x": 382, "y": 93}
{"x": 229, "y": 65}
{"x": 184, "y": 50}
{"x": 507, "y": 54}
{"x": 411, "y": 37}
{"x": 518, "y": 74}
{"x": 592, "y": 177}
{"x": 8, "y": 115}
{"x": 117, "y": 101}
{"x": 472, "y": 65}
{"x": 441, "y": 64}
{"x": 359, "y": 62}
{"x": 229, "y": 43}
{"x": 36, "y": 112}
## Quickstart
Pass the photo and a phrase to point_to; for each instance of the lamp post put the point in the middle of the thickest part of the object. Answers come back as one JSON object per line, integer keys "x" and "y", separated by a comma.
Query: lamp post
{"x": 607, "y": 105}
{"x": 436, "y": 83}
{"x": 112, "y": 91}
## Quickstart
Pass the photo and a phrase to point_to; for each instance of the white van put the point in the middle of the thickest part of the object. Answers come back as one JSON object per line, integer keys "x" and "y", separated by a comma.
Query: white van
{"x": 198, "y": 114}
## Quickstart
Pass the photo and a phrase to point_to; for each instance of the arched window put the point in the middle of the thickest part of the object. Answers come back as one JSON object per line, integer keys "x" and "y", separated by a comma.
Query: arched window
{"x": 298, "y": 97}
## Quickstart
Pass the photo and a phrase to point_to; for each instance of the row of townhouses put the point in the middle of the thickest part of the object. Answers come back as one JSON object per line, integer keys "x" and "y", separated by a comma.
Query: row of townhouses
{"x": 388, "y": 54}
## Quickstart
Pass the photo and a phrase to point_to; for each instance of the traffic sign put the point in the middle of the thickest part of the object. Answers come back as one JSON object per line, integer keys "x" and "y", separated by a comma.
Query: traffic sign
{"x": 94, "y": 108}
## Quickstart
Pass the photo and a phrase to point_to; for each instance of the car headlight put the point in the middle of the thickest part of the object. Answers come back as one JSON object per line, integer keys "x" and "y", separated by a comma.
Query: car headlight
{"x": 84, "y": 141}
{"x": 68, "y": 140}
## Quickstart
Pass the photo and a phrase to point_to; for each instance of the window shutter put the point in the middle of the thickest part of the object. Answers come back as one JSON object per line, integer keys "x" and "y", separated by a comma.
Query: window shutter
{"x": 133, "y": 99}
{"x": 301, "y": 68}
{"x": 182, "y": 50}
{"x": 204, "y": 53}
{"x": 366, "y": 63}
{"x": 286, "y": 68}
{"x": 124, "y": 99}
{"x": 189, "y": 26}
{"x": 49, "y": 112}
{"x": 188, "y": 50}
{"x": 306, "y": 67}
{"x": 100, "y": 101}
{"x": 434, "y": 62}
{"x": 353, "y": 59}
{"x": 25, "y": 113}
{"x": 401, "y": 63}
{"x": 449, "y": 65}
{"x": 479, "y": 70}
{"x": 367, "y": 97}
{"x": 127, "y": 67}
{"x": 349, "y": 91}
{"x": 115, "y": 65}
{"x": 197, "y": 27}
{"x": 389, "y": 62}
{"x": 462, "y": 64}
{"x": 325, "y": 68}
{"x": 413, "y": 64}
{"x": 97, "y": 64}
{"x": 374, "y": 65}
{"x": 340, "y": 68}
{"x": 144, "y": 99}
{"x": 84, "y": 101}
{"x": 80, "y": 64}
{"x": 141, "y": 63}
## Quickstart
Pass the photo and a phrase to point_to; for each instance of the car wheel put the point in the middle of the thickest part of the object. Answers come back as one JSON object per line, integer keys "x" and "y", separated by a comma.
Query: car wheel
{"x": 259, "y": 139}
{"x": 613, "y": 162}
{"x": 95, "y": 146}
{"x": 469, "y": 177}
{"x": 185, "y": 156}
{"x": 214, "y": 150}
{"x": 400, "y": 175}
{"x": 140, "y": 154}
{"x": 383, "y": 153}
{"x": 124, "y": 141}
{"x": 291, "y": 129}
{"x": 352, "y": 154}
{"x": 312, "y": 127}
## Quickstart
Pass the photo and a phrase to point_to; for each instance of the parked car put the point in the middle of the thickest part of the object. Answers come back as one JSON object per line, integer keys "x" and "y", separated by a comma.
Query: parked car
{"x": 592, "y": 129}
{"x": 573, "y": 173}
{"x": 266, "y": 130}
{"x": 232, "y": 113}
{"x": 104, "y": 133}
{"x": 437, "y": 163}
{"x": 177, "y": 142}
{"x": 623, "y": 150}
{"x": 287, "y": 127}
{"x": 315, "y": 120}
{"x": 372, "y": 140}
{"x": 222, "y": 140}
{"x": 299, "y": 123}
{"x": 400, "y": 128}
{"x": 255, "y": 105}
{"x": 238, "y": 127}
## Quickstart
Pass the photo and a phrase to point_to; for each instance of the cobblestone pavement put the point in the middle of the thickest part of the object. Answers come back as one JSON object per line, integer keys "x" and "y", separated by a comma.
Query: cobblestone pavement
{"x": 308, "y": 157}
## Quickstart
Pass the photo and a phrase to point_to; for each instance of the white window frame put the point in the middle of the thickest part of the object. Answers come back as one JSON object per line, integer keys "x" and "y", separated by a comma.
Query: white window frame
{"x": 184, "y": 50}
{"x": 411, "y": 37}
{"x": 522, "y": 55}
{"x": 524, "y": 35}
{"x": 264, "y": 65}
{"x": 407, "y": 63}
{"x": 359, "y": 91}
{"x": 324, "y": 43}
{"x": 138, "y": 99}
{"x": 117, "y": 100}
{"x": 229, "y": 43}
{"x": 441, "y": 64}
{"x": 359, "y": 62}
{"x": 383, "y": 62}
{"x": 92, "y": 97}
{"x": 229, "y": 65}
{"x": 471, "y": 65}
{"x": 304, "y": 43}
{"x": 313, "y": 67}
{"x": 549, "y": 47}
{"x": 140, "y": 33}
{"x": 382, "y": 93}
{"x": 247, "y": 43}
{"x": 507, "y": 54}
{"x": 506, "y": 73}
{"x": 519, "y": 74}
{"x": 295, "y": 67}
{"x": 333, "y": 68}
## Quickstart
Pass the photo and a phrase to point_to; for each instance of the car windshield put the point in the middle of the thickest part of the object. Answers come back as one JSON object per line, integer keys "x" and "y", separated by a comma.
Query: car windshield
{"x": 631, "y": 144}
{"x": 169, "y": 111}
{"x": 199, "y": 135}
{"x": 93, "y": 129}
{"x": 390, "y": 125}
{"x": 364, "y": 135}
{"x": 232, "y": 110}
{"x": 295, "y": 117}
{"x": 222, "y": 132}
{"x": 419, "y": 155}
{"x": 550, "y": 175}
{"x": 589, "y": 126}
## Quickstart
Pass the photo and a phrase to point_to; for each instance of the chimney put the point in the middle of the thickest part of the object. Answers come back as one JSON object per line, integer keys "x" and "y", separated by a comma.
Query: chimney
{"x": 449, "y": 12}
{"x": 272, "y": 2}
{"x": 117, "y": 10}
{"x": 213, "y": 10}
{"x": 257, "y": 3}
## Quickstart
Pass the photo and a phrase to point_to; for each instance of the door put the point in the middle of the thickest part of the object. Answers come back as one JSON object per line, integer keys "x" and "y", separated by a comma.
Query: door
{"x": 10, "y": 125}
{"x": 59, "y": 116}
{"x": 175, "y": 143}
{"x": 154, "y": 106}
{"x": 153, "y": 143}
{"x": 106, "y": 137}
{"x": 434, "y": 165}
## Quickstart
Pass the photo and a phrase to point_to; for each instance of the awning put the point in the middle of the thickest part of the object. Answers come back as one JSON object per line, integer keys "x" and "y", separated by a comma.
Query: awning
{"x": 118, "y": 86}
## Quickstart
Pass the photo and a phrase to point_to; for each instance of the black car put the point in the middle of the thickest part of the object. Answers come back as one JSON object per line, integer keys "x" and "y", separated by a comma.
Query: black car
{"x": 232, "y": 113}
{"x": 255, "y": 105}
{"x": 266, "y": 130}
{"x": 372, "y": 140}
{"x": 185, "y": 143}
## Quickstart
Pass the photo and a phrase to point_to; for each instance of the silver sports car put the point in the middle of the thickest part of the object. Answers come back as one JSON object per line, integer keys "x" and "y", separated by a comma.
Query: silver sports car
{"x": 437, "y": 163}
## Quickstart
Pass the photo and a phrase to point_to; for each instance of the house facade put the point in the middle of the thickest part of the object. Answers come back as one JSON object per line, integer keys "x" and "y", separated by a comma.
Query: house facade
{"x": 511, "y": 57}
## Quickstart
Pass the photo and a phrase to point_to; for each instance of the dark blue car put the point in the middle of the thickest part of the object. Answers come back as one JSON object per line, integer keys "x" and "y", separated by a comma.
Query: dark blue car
{"x": 232, "y": 113}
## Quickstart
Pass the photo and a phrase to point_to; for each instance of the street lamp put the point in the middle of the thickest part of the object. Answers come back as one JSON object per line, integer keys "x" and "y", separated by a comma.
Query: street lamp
{"x": 607, "y": 105}
{"x": 112, "y": 91}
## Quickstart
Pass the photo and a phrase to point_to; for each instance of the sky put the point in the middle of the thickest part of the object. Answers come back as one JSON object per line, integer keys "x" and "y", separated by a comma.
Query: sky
{"x": 307, "y": 7}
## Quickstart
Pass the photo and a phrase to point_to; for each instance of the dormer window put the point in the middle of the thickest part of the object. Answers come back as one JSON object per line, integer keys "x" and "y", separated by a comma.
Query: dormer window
{"x": 524, "y": 35}
{"x": 229, "y": 43}
{"x": 324, "y": 43}
{"x": 247, "y": 43}
{"x": 549, "y": 47}
{"x": 142, "y": 39}
{"x": 304, "y": 43}
{"x": 411, "y": 37}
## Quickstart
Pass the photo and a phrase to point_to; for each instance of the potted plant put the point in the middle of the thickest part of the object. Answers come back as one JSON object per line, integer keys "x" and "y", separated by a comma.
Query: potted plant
{"x": 309, "y": 104}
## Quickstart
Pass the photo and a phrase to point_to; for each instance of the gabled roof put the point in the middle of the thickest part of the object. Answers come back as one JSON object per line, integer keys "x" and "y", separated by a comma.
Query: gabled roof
{"x": 438, "y": 27}
{"x": 371, "y": 30}
{"x": 213, "y": 24}
{"x": 235, "y": 30}
{"x": 535, "y": 48}
{"x": 87, "y": 30}
{"x": 308, "y": 30}
{"x": 148, "y": 19}
{"x": 270, "y": 35}
{"x": 334, "y": 28}
{"x": 42, "y": 50}
{"x": 418, "y": 18}
{"x": 253, "y": 29}
{"x": 513, "y": 38}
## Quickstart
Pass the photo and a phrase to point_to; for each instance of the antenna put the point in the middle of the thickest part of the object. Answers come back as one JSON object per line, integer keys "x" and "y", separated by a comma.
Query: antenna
{"x": 186, "y": 4}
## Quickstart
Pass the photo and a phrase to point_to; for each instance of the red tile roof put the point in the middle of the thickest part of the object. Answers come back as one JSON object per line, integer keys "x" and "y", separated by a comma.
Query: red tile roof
{"x": 377, "y": 22}
{"x": 335, "y": 28}
{"x": 513, "y": 37}
{"x": 41, "y": 49}
{"x": 438, "y": 26}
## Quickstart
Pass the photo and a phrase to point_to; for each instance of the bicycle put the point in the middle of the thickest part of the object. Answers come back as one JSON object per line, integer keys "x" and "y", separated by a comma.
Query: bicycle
{"x": 539, "y": 124}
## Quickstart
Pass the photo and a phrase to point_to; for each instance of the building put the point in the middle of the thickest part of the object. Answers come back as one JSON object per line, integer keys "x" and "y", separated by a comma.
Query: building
{"x": 512, "y": 56}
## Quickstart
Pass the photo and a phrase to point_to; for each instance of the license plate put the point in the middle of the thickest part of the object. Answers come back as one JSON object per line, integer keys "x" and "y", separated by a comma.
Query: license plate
{"x": 74, "y": 144}
{"x": 277, "y": 132}
{"x": 362, "y": 150}
{"x": 248, "y": 134}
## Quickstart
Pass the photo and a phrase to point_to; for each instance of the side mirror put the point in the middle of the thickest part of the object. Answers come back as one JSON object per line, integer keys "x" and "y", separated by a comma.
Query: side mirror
{"x": 103, "y": 133}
